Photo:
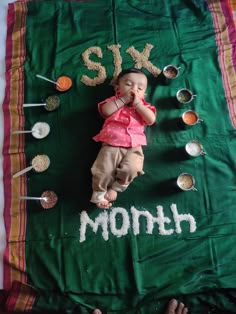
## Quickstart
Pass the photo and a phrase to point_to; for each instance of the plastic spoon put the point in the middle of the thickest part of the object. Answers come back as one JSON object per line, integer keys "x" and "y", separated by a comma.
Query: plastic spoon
{"x": 47, "y": 200}
{"x": 47, "y": 79}
{"x": 33, "y": 198}
{"x": 63, "y": 83}
{"x": 39, "y": 163}
{"x": 51, "y": 103}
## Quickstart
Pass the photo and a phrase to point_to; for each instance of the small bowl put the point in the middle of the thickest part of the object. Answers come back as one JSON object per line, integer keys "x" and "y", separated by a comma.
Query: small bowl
{"x": 171, "y": 71}
{"x": 186, "y": 182}
{"x": 190, "y": 118}
{"x": 194, "y": 149}
{"x": 184, "y": 96}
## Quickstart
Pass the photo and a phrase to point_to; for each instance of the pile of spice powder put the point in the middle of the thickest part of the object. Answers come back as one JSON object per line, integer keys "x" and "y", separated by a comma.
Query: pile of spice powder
{"x": 190, "y": 117}
{"x": 194, "y": 148}
{"x": 185, "y": 182}
{"x": 52, "y": 103}
{"x": 51, "y": 199}
{"x": 170, "y": 72}
{"x": 40, "y": 163}
{"x": 40, "y": 130}
{"x": 63, "y": 83}
{"x": 184, "y": 96}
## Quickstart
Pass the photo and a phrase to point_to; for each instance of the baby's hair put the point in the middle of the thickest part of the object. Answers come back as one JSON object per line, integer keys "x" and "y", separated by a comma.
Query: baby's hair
{"x": 127, "y": 71}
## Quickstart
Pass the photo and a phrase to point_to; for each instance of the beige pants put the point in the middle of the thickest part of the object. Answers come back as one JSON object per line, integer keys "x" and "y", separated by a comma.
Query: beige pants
{"x": 116, "y": 168}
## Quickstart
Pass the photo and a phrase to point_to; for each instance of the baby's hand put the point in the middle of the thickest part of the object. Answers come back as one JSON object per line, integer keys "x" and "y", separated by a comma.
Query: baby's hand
{"x": 136, "y": 98}
{"x": 128, "y": 98}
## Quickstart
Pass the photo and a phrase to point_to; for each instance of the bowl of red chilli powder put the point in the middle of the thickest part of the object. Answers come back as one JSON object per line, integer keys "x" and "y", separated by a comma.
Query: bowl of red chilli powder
{"x": 190, "y": 118}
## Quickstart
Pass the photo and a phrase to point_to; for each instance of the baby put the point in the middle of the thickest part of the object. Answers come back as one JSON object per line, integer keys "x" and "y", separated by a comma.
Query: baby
{"x": 121, "y": 158}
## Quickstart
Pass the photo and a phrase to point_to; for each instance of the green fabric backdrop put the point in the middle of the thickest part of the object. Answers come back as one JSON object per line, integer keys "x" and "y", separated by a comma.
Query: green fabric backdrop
{"x": 130, "y": 273}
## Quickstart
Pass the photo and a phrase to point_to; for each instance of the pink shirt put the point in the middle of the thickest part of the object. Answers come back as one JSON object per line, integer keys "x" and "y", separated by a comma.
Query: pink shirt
{"x": 124, "y": 127}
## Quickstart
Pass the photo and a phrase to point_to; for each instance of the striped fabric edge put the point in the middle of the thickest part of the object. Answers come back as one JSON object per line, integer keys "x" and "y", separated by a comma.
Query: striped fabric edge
{"x": 13, "y": 147}
{"x": 21, "y": 297}
{"x": 226, "y": 40}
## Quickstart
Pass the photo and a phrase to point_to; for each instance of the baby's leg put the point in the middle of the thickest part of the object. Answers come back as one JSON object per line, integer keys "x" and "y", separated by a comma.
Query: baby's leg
{"x": 100, "y": 200}
{"x": 103, "y": 171}
{"x": 130, "y": 167}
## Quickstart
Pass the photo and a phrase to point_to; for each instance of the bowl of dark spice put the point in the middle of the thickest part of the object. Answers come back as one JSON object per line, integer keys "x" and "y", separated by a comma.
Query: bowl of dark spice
{"x": 171, "y": 71}
{"x": 184, "y": 95}
{"x": 51, "y": 103}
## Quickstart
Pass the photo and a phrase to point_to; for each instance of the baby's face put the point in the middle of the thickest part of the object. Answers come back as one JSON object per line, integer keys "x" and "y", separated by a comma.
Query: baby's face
{"x": 136, "y": 82}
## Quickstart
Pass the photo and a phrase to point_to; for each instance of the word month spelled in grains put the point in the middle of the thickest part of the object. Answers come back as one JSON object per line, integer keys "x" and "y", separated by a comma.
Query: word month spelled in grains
{"x": 107, "y": 221}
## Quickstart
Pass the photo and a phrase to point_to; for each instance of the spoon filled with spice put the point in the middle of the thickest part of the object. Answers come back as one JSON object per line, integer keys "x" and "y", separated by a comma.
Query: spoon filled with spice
{"x": 48, "y": 199}
{"x": 51, "y": 103}
{"x": 63, "y": 83}
{"x": 39, "y": 130}
{"x": 39, "y": 163}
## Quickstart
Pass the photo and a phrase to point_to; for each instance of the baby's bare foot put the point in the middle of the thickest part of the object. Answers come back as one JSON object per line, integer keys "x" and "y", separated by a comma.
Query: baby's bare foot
{"x": 97, "y": 311}
{"x": 111, "y": 195}
{"x": 176, "y": 308}
{"x": 104, "y": 204}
